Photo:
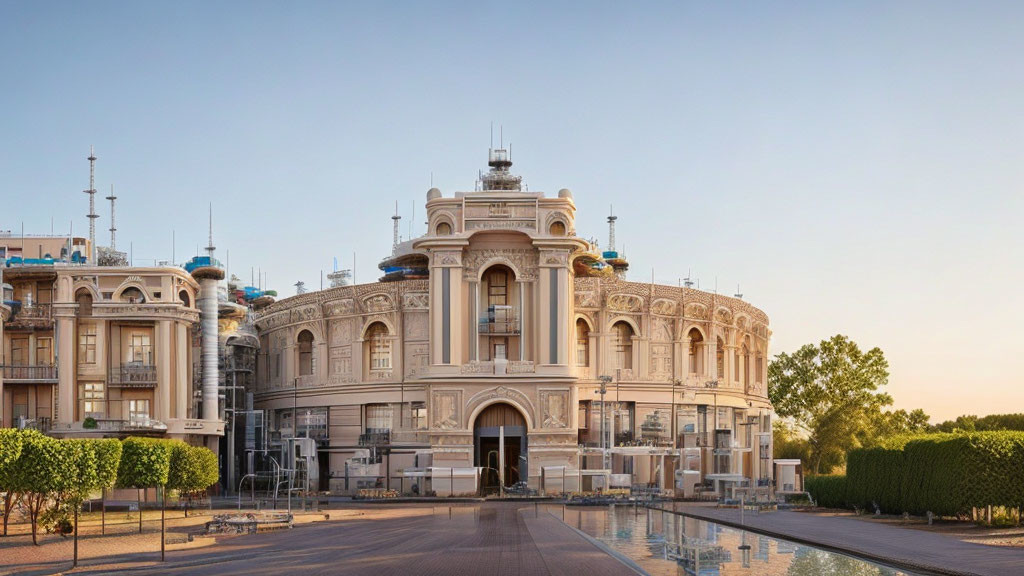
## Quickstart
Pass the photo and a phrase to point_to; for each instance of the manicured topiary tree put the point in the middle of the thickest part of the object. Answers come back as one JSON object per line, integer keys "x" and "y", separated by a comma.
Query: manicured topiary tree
{"x": 193, "y": 469}
{"x": 43, "y": 470}
{"x": 10, "y": 451}
{"x": 145, "y": 463}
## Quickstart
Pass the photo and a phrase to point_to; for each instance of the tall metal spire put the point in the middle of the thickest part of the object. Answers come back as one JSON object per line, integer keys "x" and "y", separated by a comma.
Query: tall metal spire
{"x": 394, "y": 241}
{"x": 92, "y": 215}
{"x": 210, "y": 247}
{"x": 113, "y": 225}
{"x": 611, "y": 229}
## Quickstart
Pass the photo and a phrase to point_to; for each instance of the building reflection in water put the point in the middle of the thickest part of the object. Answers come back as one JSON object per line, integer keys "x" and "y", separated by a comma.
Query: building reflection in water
{"x": 664, "y": 543}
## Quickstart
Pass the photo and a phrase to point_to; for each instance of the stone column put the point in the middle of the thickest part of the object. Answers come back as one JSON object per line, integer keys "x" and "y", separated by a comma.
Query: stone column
{"x": 711, "y": 367}
{"x": 66, "y": 392}
{"x": 162, "y": 398}
{"x": 181, "y": 390}
{"x": 208, "y": 276}
{"x": 685, "y": 363}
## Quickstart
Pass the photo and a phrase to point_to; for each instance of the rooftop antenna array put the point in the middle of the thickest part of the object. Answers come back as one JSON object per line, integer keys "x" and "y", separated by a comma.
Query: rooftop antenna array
{"x": 300, "y": 287}
{"x": 113, "y": 225}
{"x": 339, "y": 278}
{"x": 688, "y": 282}
{"x": 611, "y": 228}
{"x": 92, "y": 215}
{"x": 394, "y": 241}
{"x": 738, "y": 294}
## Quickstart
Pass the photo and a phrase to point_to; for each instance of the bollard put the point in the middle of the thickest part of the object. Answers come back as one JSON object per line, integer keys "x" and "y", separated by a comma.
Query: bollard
{"x": 449, "y": 512}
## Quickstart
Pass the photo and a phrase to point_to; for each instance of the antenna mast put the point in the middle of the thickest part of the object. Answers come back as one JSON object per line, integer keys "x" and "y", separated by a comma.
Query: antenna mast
{"x": 113, "y": 225}
{"x": 92, "y": 215}
{"x": 611, "y": 229}
{"x": 210, "y": 247}
{"x": 395, "y": 219}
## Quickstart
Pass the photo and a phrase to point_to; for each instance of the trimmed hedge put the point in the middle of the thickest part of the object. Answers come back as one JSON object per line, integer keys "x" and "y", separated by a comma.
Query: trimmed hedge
{"x": 828, "y": 491}
{"x": 947, "y": 474}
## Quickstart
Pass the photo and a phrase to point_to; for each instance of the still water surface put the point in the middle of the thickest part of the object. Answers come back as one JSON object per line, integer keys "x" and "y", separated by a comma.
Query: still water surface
{"x": 663, "y": 543}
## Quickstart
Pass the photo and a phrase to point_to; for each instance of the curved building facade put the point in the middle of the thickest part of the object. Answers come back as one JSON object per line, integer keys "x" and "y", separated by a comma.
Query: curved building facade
{"x": 501, "y": 348}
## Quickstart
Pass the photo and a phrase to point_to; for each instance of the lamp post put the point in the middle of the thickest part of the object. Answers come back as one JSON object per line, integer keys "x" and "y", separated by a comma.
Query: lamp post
{"x": 605, "y": 380}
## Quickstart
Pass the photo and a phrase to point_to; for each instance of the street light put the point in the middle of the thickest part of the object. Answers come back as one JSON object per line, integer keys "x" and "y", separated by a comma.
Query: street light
{"x": 605, "y": 380}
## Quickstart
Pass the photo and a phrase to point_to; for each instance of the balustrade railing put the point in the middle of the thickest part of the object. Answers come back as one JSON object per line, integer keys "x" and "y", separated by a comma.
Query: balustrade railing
{"x": 133, "y": 376}
{"x": 41, "y": 373}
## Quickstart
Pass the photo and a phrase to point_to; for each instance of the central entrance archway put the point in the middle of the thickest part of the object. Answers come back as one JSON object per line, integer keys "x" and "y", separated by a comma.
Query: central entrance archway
{"x": 496, "y": 421}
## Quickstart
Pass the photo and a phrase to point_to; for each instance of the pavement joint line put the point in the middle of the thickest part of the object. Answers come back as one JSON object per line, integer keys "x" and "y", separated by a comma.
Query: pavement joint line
{"x": 898, "y": 563}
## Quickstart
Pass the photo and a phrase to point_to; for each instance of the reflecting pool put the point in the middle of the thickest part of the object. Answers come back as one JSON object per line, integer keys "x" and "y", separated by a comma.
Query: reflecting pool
{"x": 663, "y": 543}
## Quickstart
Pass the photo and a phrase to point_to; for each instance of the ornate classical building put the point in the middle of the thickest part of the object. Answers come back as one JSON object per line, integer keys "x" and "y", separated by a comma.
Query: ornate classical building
{"x": 501, "y": 347}
{"x": 100, "y": 351}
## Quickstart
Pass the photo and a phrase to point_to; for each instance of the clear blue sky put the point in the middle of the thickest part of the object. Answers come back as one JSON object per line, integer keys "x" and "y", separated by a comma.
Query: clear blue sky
{"x": 855, "y": 169}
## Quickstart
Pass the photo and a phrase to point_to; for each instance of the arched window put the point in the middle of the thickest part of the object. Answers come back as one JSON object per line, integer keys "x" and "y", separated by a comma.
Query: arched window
{"x": 185, "y": 300}
{"x": 622, "y": 345}
{"x": 133, "y": 295}
{"x": 306, "y": 365}
{"x": 582, "y": 343}
{"x": 443, "y": 229}
{"x": 557, "y": 228}
{"x": 379, "y": 343}
{"x": 696, "y": 351}
{"x": 720, "y": 359}
{"x": 84, "y": 300}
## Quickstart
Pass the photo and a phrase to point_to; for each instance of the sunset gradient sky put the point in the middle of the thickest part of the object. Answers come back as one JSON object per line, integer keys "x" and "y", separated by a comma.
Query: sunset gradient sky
{"x": 855, "y": 169}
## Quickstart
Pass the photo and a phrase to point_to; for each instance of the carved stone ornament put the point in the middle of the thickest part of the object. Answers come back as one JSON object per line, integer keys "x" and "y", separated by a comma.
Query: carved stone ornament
{"x": 555, "y": 407}
{"x": 522, "y": 260}
{"x": 449, "y": 258}
{"x": 723, "y": 315}
{"x": 501, "y": 392}
{"x": 555, "y": 258}
{"x": 625, "y": 303}
{"x": 586, "y": 299}
{"x": 416, "y": 300}
{"x": 340, "y": 307}
{"x": 445, "y": 409}
{"x": 662, "y": 330}
{"x": 664, "y": 307}
{"x": 377, "y": 303}
{"x": 696, "y": 311}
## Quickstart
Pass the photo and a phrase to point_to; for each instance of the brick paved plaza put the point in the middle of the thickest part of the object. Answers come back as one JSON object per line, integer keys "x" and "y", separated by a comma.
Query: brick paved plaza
{"x": 491, "y": 538}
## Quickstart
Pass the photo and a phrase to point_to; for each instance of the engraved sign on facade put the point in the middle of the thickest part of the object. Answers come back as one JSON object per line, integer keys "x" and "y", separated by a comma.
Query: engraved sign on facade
{"x": 445, "y": 409}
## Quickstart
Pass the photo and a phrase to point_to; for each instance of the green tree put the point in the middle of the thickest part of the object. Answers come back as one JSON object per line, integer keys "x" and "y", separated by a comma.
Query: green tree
{"x": 830, "y": 392}
{"x": 145, "y": 463}
{"x": 787, "y": 442}
{"x": 43, "y": 470}
{"x": 192, "y": 469}
{"x": 897, "y": 423}
{"x": 11, "y": 441}
{"x": 990, "y": 423}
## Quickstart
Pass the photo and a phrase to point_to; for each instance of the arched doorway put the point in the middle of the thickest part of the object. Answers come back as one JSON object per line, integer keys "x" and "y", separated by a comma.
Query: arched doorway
{"x": 496, "y": 422}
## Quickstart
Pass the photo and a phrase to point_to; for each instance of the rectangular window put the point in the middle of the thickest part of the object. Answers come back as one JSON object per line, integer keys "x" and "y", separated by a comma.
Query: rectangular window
{"x": 313, "y": 423}
{"x": 44, "y": 351}
{"x": 87, "y": 344}
{"x": 138, "y": 412}
{"x": 19, "y": 351}
{"x": 92, "y": 400}
{"x": 419, "y": 416}
{"x": 140, "y": 349}
{"x": 379, "y": 418}
{"x": 277, "y": 365}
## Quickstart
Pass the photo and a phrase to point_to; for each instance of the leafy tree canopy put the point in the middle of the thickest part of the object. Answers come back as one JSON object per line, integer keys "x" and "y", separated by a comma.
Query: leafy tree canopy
{"x": 831, "y": 392}
{"x": 990, "y": 423}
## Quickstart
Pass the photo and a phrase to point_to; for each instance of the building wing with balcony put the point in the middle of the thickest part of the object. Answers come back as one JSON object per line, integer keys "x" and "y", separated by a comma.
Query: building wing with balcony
{"x": 99, "y": 351}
